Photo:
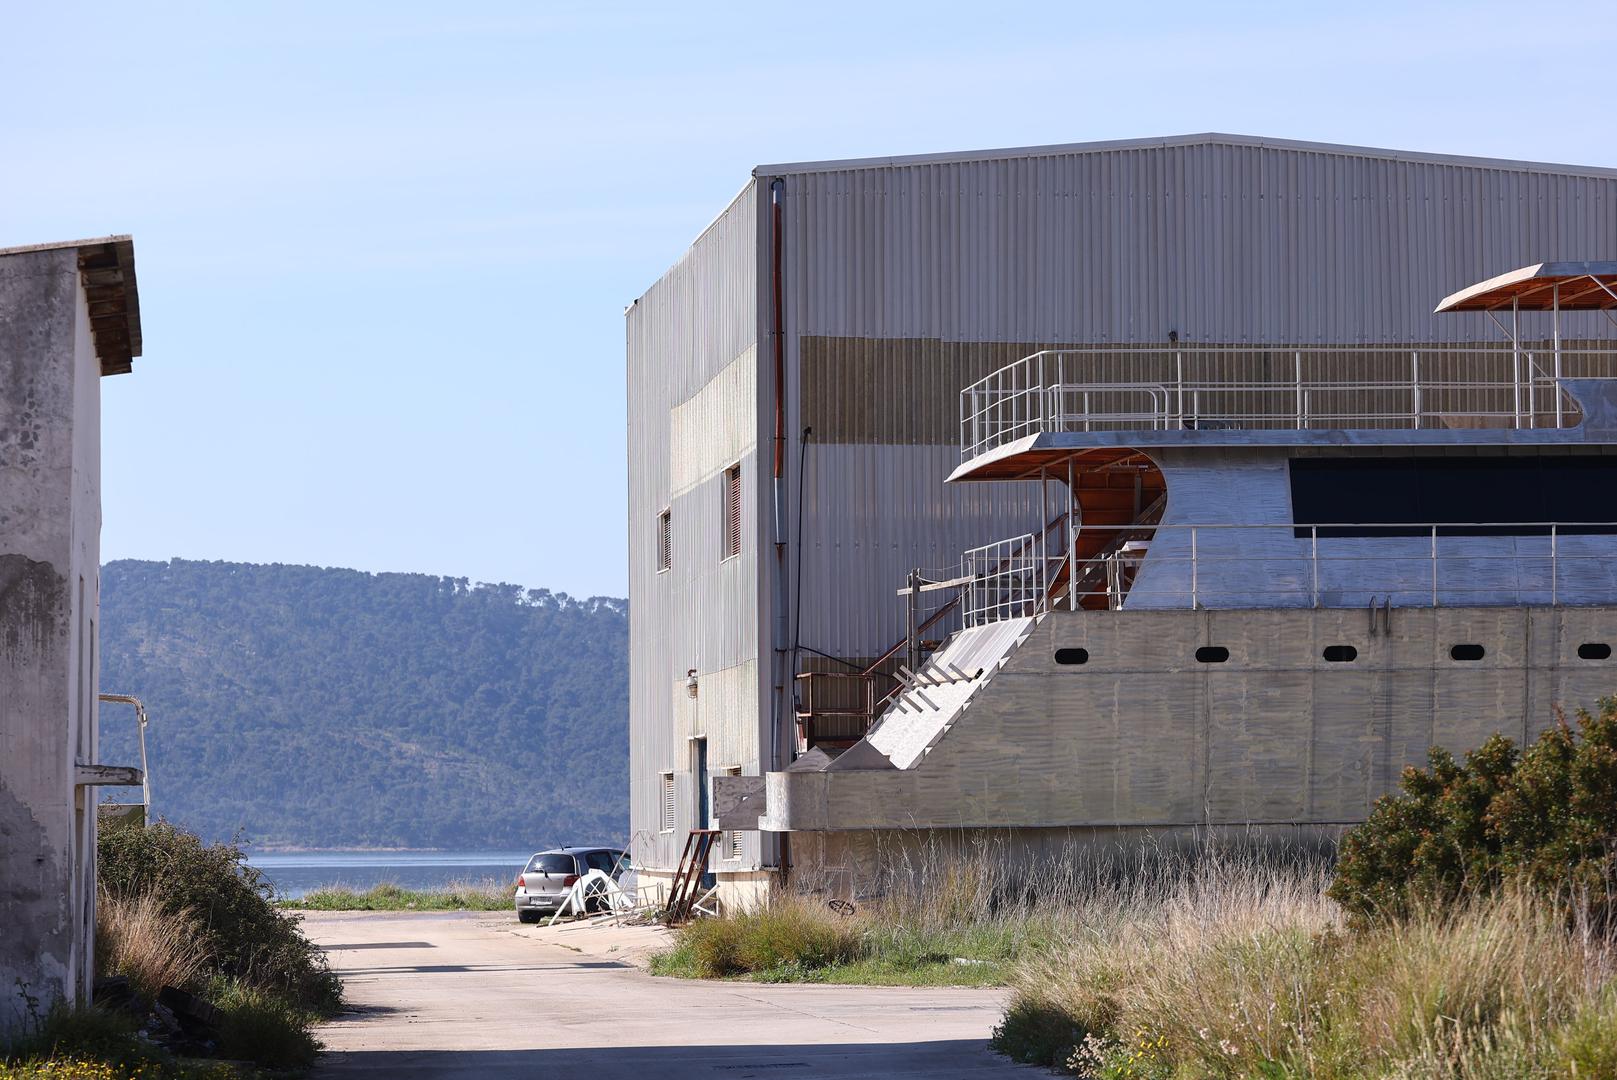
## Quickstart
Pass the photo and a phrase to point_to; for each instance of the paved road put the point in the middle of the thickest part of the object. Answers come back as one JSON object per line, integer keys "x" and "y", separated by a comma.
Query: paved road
{"x": 463, "y": 995}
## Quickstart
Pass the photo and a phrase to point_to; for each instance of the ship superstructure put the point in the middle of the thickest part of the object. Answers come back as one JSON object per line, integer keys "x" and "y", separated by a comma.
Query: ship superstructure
{"x": 1263, "y": 582}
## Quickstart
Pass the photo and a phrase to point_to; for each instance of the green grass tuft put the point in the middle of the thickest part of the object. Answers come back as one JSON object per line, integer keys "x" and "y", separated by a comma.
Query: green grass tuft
{"x": 486, "y": 895}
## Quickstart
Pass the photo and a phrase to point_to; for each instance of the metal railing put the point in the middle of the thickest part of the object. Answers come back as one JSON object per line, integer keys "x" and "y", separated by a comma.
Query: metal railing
{"x": 1218, "y": 387}
{"x": 1344, "y": 565}
{"x": 1009, "y": 579}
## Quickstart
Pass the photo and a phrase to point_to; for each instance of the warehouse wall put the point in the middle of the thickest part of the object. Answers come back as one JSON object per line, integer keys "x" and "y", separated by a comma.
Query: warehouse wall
{"x": 692, "y": 343}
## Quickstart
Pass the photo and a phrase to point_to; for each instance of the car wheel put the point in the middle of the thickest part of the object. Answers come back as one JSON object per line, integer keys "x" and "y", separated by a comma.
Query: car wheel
{"x": 528, "y": 916}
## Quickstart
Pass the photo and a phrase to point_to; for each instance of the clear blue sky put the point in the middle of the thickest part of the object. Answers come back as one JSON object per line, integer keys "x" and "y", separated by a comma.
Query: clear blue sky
{"x": 384, "y": 249}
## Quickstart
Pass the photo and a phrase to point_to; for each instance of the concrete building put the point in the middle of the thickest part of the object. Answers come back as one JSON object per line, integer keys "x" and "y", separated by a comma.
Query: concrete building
{"x": 796, "y": 415}
{"x": 69, "y": 314}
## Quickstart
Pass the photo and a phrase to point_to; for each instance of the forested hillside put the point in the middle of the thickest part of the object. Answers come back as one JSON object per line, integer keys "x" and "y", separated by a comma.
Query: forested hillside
{"x": 334, "y": 708}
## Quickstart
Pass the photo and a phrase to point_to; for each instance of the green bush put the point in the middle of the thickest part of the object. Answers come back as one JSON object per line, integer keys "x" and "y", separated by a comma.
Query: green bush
{"x": 1547, "y": 815}
{"x": 242, "y": 932}
{"x": 789, "y": 934}
{"x": 78, "y": 1043}
{"x": 262, "y": 1027}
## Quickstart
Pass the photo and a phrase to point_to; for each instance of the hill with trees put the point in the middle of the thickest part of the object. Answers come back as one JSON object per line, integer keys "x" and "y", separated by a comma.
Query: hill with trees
{"x": 311, "y": 707}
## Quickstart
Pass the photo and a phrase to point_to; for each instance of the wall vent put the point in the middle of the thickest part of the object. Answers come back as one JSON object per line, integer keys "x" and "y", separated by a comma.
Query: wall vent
{"x": 668, "y": 802}
{"x": 1072, "y": 656}
{"x": 732, "y": 512}
{"x": 1467, "y": 652}
{"x": 1212, "y": 654}
{"x": 1594, "y": 650}
{"x": 1340, "y": 654}
{"x": 665, "y": 540}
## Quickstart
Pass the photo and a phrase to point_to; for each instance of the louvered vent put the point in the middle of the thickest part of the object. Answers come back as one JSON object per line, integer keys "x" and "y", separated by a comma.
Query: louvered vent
{"x": 732, "y": 511}
{"x": 733, "y": 847}
{"x": 668, "y": 802}
{"x": 665, "y": 540}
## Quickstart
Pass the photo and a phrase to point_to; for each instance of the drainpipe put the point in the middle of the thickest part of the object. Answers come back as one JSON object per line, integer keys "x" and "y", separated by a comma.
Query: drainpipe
{"x": 779, "y": 755}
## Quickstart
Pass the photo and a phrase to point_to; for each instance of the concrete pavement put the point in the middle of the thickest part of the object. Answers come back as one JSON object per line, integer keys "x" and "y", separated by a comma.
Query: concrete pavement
{"x": 474, "y": 995}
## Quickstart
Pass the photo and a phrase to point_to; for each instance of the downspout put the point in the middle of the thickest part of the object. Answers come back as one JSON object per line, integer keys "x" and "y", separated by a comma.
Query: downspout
{"x": 779, "y": 755}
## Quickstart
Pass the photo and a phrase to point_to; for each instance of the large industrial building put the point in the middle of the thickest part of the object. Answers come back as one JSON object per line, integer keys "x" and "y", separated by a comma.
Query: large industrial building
{"x": 848, "y": 336}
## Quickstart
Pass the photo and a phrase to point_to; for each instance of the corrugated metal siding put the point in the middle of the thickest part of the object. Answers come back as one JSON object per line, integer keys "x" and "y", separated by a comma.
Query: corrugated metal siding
{"x": 688, "y": 327}
{"x": 1222, "y": 242}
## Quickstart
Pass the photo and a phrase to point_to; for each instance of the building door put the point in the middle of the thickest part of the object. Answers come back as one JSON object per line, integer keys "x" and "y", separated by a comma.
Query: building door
{"x": 704, "y": 800}
{"x": 703, "y": 788}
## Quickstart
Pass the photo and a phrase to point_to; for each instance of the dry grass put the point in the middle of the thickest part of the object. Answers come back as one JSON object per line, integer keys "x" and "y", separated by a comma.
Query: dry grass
{"x": 1235, "y": 968}
{"x": 153, "y": 948}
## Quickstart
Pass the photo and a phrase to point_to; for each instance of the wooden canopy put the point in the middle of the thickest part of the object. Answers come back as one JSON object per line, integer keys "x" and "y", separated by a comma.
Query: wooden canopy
{"x": 1583, "y": 286}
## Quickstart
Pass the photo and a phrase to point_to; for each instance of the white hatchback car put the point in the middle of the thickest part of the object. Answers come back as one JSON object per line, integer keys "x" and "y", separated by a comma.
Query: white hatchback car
{"x": 550, "y": 875}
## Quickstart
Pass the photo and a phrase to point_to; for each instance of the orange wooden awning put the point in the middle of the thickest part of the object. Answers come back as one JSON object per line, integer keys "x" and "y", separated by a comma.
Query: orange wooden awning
{"x": 1583, "y": 286}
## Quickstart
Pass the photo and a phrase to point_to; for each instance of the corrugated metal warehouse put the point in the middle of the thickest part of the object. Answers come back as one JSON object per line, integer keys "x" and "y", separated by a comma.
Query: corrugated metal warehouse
{"x": 857, "y": 298}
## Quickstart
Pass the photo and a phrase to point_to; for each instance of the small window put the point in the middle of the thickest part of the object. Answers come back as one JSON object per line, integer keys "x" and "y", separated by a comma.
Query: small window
{"x": 665, "y": 540}
{"x": 732, "y": 512}
{"x": 1072, "y": 656}
{"x": 1594, "y": 650}
{"x": 1212, "y": 654}
{"x": 1340, "y": 654}
{"x": 668, "y": 802}
{"x": 1467, "y": 652}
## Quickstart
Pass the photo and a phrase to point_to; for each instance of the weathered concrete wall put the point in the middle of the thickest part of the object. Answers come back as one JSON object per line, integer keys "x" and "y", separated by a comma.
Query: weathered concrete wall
{"x": 1143, "y": 736}
{"x": 49, "y": 559}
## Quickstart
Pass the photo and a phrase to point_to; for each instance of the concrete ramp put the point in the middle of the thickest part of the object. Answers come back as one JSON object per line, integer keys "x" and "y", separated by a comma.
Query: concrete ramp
{"x": 947, "y": 682}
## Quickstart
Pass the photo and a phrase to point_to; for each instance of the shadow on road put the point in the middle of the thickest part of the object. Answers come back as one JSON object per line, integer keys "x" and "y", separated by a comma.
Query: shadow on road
{"x": 847, "y": 1061}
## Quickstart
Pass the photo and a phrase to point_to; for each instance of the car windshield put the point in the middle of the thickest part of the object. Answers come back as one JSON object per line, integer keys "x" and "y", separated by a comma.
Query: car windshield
{"x": 551, "y": 864}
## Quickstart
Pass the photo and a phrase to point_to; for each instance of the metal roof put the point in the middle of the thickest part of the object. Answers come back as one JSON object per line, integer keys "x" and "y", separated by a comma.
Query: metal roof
{"x": 1210, "y": 138}
{"x": 107, "y": 270}
{"x": 1584, "y": 286}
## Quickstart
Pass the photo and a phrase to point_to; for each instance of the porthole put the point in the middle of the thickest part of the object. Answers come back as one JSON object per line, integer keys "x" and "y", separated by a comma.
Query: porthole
{"x": 1340, "y": 654}
{"x": 1467, "y": 652}
{"x": 1212, "y": 654}
{"x": 1594, "y": 650}
{"x": 1072, "y": 656}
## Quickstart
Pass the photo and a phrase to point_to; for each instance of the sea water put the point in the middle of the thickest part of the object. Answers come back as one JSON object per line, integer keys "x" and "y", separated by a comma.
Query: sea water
{"x": 294, "y": 873}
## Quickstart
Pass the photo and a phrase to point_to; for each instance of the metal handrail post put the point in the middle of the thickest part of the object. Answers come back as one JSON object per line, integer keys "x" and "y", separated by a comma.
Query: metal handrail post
{"x": 1314, "y": 544}
{"x": 1193, "y": 583}
{"x": 1434, "y": 566}
{"x": 1555, "y": 330}
{"x": 1555, "y": 572}
{"x": 1301, "y": 412}
{"x": 1179, "y": 367}
{"x": 1516, "y": 356}
{"x": 1414, "y": 386}
{"x": 1532, "y": 390}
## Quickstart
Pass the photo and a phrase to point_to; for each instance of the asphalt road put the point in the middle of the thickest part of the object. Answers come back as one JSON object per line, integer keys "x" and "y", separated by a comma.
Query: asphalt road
{"x": 463, "y": 995}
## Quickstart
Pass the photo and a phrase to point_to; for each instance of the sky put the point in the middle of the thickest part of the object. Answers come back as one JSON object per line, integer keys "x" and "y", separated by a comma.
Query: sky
{"x": 384, "y": 249}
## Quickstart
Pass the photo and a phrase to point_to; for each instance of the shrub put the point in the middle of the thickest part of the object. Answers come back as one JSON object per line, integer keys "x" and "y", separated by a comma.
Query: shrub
{"x": 76, "y": 1043}
{"x": 790, "y": 933}
{"x": 261, "y": 1027}
{"x": 1547, "y": 815}
{"x": 242, "y": 934}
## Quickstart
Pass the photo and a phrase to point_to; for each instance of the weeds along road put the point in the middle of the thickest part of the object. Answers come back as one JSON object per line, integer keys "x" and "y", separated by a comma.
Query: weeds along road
{"x": 475, "y": 995}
